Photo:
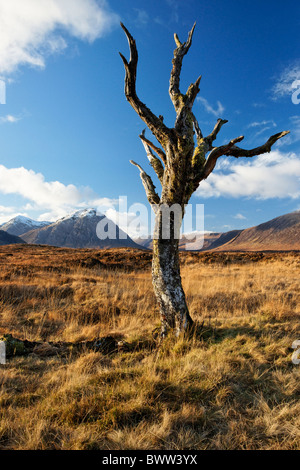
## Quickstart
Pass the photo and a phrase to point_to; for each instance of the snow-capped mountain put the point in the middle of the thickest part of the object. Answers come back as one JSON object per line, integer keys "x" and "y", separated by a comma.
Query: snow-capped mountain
{"x": 20, "y": 225}
{"x": 89, "y": 213}
{"x": 79, "y": 230}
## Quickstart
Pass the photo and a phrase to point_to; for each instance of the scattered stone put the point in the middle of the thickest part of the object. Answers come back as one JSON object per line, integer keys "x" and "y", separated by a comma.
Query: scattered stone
{"x": 16, "y": 347}
{"x": 45, "y": 350}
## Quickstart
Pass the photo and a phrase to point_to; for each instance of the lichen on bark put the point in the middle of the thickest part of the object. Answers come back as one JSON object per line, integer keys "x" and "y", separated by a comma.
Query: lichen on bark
{"x": 185, "y": 159}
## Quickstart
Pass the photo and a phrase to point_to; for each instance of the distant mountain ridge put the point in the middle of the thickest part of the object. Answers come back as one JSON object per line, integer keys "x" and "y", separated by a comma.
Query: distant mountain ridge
{"x": 20, "y": 224}
{"x": 191, "y": 241}
{"x": 223, "y": 239}
{"x": 279, "y": 234}
{"x": 78, "y": 230}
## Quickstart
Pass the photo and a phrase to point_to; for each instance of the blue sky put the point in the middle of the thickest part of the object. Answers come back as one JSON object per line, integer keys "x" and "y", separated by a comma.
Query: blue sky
{"x": 68, "y": 133}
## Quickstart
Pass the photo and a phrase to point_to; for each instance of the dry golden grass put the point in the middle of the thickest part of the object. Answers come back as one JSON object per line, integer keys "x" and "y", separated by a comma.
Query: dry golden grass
{"x": 232, "y": 386}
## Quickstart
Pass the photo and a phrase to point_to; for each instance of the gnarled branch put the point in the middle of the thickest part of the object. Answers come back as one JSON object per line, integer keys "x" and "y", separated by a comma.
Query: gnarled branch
{"x": 215, "y": 154}
{"x": 237, "y": 152}
{"x": 199, "y": 135}
{"x": 157, "y": 127}
{"x": 192, "y": 92}
{"x": 154, "y": 161}
{"x": 180, "y": 51}
{"x": 156, "y": 149}
{"x": 151, "y": 194}
{"x": 231, "y": 150}
{"x": 213, "y": 135}
{"x": 185, "y": 167}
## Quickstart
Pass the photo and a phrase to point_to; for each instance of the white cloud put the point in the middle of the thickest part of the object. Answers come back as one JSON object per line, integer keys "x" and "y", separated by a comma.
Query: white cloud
{"x": 218, "y": 111}
{"x": 273, "y": 175}
{"x": 32, "y": 29}
{"x": 7, "y": 213}
{"x": 262, "y": 131}
{"x": 54, "y": 199}
{"x": 262, "y": 127}
{"x": 6, "y": 209}
{"x": 284, "y": 83}
{"x": 9, "y": 118}
{"x": 239, "y": 217}
{"x": 261, "y": 124}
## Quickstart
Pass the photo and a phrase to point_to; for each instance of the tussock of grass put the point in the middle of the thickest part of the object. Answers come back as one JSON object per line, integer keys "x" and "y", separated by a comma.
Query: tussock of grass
{"x": 231, "y": 386}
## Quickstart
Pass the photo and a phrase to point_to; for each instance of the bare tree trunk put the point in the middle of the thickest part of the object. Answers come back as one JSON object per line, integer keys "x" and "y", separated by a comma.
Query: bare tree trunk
{"x": 167, "y": 282}
{"x": 184, "y": 158}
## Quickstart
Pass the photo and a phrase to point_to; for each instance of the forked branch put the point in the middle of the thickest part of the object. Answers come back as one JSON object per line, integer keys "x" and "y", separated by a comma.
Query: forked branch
{"x": 157, "y": 127}
{"x": 237, "y": 152}
{"x": 180, "y": 51}
{"x": 154, "y": 161}
{"x": 216, "y": 153}
{"x": 156, "y": 149}
{"x": 192, "y": 93}
{"x": 151, "y": 194}
{"x": 231, "y": 150}
{"x": 213, "y": 135}
{"x": 198, "y": 132}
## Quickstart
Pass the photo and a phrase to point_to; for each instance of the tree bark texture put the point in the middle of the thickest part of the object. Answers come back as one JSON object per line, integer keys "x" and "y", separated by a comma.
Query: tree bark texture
{"x": 182, "y": 159}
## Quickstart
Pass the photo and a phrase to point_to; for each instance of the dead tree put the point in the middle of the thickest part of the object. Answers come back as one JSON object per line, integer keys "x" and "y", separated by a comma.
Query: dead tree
{"x": 183, "y": 158}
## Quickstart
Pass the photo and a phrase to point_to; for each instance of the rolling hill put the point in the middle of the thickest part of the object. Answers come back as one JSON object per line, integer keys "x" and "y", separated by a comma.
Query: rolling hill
{"x": 279, "y": 234}
{"x": 7, "y": 239}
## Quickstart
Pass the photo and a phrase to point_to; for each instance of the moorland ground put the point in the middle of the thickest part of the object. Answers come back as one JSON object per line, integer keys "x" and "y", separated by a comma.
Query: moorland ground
{"x": 231, "y": 386}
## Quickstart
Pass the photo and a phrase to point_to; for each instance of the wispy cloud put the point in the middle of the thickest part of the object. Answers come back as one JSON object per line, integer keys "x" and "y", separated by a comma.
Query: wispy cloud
{"x": 261, "y": 123}
{"x": 239, "y": 217}
{"x": 7, "y": 212}
{"x": 9, "y": 118}
{"x": 30, "y": 29}
{"x": 142, "y": 17}
{"x": 261, "y": 127}
{"x": 174, "y": 6}
{"x": 274, "y": 175}
{"x": 259, "y": 105}
{"x": 284, "y": 83}
{"x": 217, "y": 111}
